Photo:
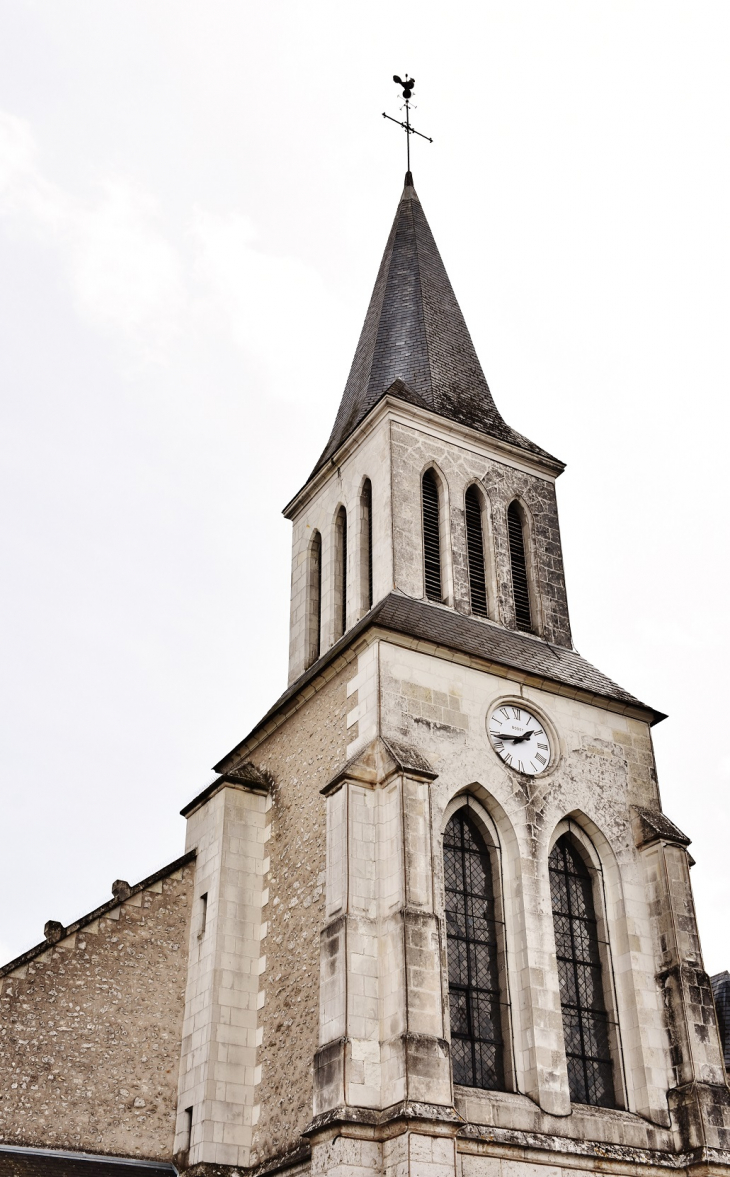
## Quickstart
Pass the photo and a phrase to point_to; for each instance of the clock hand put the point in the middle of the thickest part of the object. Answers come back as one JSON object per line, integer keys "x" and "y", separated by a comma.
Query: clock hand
{"x": 514, "y": 739}
{"x": 521, "y": 739}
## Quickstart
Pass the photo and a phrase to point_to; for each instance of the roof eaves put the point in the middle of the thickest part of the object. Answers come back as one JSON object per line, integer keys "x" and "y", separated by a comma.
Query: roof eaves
{"x": 347, "y": 648}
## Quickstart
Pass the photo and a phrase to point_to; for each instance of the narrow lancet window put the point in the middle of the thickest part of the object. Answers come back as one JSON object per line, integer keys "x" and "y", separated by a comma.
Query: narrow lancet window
{"x": 475, "y": 553}
{"x": 585, "y": 1020}
{"x": 341, "y": 574}
{"x": 520, "y": 587}
{"x": 471, "y": 926}
{"x": 314, "y": 599}
{"x": 366, "y": 544}
{"x": 431, "y": 536}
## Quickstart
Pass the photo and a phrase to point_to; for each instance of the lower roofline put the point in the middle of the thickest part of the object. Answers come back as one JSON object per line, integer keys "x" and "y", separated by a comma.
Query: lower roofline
{"x": 467, "y": 642}
{"x": 91, "y": 1157}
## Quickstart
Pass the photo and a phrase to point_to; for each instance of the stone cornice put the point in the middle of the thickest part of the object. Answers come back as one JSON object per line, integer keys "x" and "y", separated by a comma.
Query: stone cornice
{"x": 408, "y": 414}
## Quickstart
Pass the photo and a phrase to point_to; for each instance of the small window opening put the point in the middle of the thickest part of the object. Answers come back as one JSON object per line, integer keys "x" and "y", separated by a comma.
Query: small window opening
{"x": 475, "y": 553}
{"x": 341, "y": 573}
{"x": 431, "y": 536}
{"x": 314, "y": 601}
{"x": 477, "y": 1048}
{"x": 366, "y": 523}
{"x": 520, "y": 587}
{"x": 188, "y": 1129}
{"x": 582, "y": 1000}
{"x": 203, "y": 915}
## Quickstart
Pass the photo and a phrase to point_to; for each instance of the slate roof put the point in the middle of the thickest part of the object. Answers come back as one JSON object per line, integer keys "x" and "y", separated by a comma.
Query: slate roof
{"x": 435, "y": 625}
{"x": 508, "y": 647}
{"x": 414, "y": 332}
{"x": 32, "y": 1162}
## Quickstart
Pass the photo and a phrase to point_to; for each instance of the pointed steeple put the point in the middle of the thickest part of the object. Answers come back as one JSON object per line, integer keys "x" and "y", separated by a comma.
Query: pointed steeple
{"x": 414, "y": 334}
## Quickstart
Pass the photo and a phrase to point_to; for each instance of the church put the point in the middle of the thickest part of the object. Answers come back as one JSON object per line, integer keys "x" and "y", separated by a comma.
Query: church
{"x": 430, "y": 919}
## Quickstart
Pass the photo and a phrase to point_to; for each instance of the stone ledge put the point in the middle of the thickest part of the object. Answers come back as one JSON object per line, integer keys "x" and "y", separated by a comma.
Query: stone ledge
{"x": 244, "y": 776}
{"x": 503, "y": 1142}
{"x": 424, "y": 1113}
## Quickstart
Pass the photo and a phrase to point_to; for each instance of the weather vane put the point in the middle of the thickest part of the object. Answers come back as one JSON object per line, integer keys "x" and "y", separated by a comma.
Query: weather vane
{"x": 407, "y": 84}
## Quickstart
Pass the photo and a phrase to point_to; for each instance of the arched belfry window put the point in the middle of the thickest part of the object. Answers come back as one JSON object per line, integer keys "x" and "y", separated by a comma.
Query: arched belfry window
{"x": 314, "y": 599}
{"x": 340, "y": 573}
{"x": 518, "y": 561}
{"x": 366, "y": 545}
{"x": 477, "y": 1052}
{"x": 475, "y": 552}
{"x": 431, "y": 536}
{"x": 582, "y": 999}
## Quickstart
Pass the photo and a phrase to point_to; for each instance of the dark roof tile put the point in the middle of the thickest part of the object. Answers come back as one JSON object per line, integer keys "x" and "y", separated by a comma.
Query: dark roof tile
{"x": 433, "y": 626}
{"x": 414, "y": 333}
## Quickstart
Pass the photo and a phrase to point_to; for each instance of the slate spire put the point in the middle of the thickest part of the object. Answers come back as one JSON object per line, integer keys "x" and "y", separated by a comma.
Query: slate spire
{"x": 414, "y": 334}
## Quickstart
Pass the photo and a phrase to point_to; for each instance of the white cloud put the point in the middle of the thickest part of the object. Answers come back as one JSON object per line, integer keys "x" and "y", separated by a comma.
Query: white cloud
{"x": 125, "y": 276}
{"x": 277, "y": 308}
{"x": 130, "y": 280}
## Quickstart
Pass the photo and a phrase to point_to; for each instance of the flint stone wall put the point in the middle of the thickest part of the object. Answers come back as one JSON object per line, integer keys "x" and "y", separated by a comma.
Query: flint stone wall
{"x": 90, "y": 1031}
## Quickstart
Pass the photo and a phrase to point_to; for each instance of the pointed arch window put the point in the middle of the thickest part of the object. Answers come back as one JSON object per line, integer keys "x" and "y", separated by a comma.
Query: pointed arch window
{"x": 518, "y": 561}
{"x": 477, "y": 1051}
{"x": 314, "y": 599}
{"x": 585, "y": 1019}
{"x": 431, "y": 536}
{"x": 366, "y": 545}
{"x": 475, "y": 552}
{"x": 340, "y": 573}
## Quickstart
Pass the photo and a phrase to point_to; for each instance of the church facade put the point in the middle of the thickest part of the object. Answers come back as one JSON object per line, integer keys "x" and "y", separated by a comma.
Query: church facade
{"x": 430, "y": 920}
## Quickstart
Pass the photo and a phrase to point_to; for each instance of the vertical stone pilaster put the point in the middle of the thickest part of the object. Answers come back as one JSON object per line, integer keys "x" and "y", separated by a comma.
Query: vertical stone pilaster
{"x": 381, "y": 1011}
{"x": 699, "y": 1100}
{"x": 217, "y": 1106}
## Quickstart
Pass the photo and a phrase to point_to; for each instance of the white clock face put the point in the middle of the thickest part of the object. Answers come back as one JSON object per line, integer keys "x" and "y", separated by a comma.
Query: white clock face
{"x": 519, "y": 739}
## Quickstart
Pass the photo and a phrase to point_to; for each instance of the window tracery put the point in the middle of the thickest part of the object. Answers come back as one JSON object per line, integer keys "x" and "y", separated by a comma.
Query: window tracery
{"x": 583, "y": 1004}
{"x": 477, "y": 1048}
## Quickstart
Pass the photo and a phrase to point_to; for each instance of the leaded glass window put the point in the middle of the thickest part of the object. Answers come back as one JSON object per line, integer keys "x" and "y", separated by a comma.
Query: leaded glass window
{"x": 472, "y": 938}
{"x": 585, "y": 1020}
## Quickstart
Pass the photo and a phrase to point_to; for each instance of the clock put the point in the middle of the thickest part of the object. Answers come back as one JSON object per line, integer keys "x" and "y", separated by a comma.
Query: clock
{"x": 519, "y": 739}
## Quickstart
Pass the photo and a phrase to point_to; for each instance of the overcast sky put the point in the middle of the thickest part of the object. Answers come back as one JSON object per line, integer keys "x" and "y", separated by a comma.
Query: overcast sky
{"x": 194, "y": 198}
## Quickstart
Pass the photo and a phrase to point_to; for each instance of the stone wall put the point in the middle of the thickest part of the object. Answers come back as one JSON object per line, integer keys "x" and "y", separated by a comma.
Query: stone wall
{"x": 602, "y": 764}
{"x": 90, "y": 1031}
{"x": 301, "y": 756}
{"x": 343, "y": 486}
{"x": 460, "y": 465}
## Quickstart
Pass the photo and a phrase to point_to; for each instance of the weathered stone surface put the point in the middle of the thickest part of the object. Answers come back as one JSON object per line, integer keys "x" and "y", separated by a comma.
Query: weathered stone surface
{"x": 301, "y": 756}
{"x": 90, "y": 1031}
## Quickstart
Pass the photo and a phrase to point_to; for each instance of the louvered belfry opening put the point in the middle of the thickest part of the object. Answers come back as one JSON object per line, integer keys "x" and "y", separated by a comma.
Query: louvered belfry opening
{"x": 520, "y": 587}
{"x": 341, "y": 573}
{"x": 585, "y": 1020}
{"x": 431, "y": 536}
{"x": 472, "y": 946}
{"x": 314, "y": 609}
{"x": 475, "y": 553}
{"x": 366, "y": 500}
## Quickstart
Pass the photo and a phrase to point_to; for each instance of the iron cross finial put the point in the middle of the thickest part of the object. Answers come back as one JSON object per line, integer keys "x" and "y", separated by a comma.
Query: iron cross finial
{"x": 407, "y": 84}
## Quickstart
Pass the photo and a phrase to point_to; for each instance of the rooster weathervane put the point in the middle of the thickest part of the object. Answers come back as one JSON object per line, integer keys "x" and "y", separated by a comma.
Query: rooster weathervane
{"x": 407, "y": 84}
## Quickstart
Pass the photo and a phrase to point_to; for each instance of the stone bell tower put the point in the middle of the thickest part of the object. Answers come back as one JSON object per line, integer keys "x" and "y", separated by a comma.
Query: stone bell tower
{"x": 449, "y": 928}
{"x": 431, "y": 920}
